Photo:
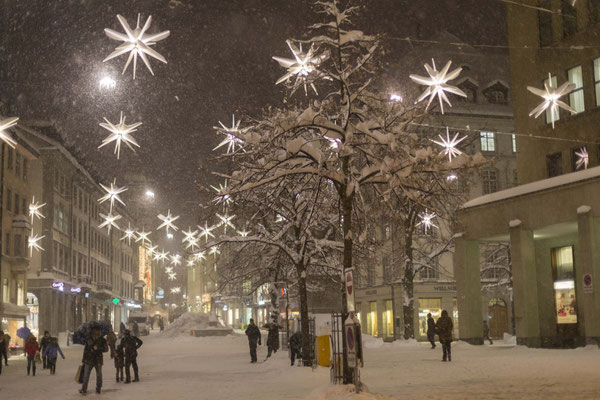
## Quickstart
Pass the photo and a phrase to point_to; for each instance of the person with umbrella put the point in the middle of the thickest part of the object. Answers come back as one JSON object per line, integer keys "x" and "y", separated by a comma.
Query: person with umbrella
{"x": 92, "y": 359}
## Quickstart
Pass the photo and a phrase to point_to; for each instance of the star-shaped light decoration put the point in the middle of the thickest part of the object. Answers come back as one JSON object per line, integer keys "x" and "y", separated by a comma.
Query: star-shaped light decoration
{"x": 222, "y": 196}
{"x": 112, "y": 194}
{"x": 193, "y": 243}
{"x": 163, "y": 255}
{"x": 4, "y": 125}
{"x": 175, "y": 259}
{"x": 243, "y": 233}
{"x": 551, "y": 98}
{"x": 32, "y": 243}
{"x": 302, "y": 65}
{"x": 175, "y": 290}
{"x": 136, "y": 42}
{"x": 172, "y": 276}
{"x": 169, "y": 270}
{"x": 232, "y": 135}
{"x": 190, "y": 262}
{"x": 34, "y": 209}
{"x": 168, "y": 221}
{"x": 583, "y": 158}
{"x": 206, "y": 231}
{"x": 143, "y": 237}
{"x": 437, "y": 84}
{"x": 427, "y": 220}
{"x": 129, "y": 234}
{"x": 110, "y": 220}
{"x": 226, "y": 221}
{"x": 120, "y": 133}
{"x": 214, "y": 250}
{"x": 199, "y": 256}
{"x": 449, "y": 145}
{"x": 152, "y": 250}
{"x": 189, "y": 235}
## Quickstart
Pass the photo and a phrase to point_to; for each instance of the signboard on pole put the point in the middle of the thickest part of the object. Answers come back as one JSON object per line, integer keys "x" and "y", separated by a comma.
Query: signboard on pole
{"x": 588, "y": 284}
{"x": 351, "y": 346}
{"x": 349, "y": 279}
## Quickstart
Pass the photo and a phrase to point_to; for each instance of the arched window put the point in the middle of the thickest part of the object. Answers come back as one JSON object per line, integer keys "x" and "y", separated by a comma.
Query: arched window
{"x": 496, "y": 93}
{"x": 470, "y": 90}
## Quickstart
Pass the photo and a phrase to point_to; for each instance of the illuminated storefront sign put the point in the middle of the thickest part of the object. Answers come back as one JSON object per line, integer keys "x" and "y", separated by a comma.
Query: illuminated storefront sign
{"x": 60, "y": 286}
{"x": 75, "y": 290}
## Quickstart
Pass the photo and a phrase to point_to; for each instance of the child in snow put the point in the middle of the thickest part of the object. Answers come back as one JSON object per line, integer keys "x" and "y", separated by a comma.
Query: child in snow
{"x": 119, "y": 362}
{"x": 51, "y": 354}
{"x": 31, "y": 349}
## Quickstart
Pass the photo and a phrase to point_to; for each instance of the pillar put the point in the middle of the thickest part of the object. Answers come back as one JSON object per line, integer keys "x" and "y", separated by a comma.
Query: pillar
{"x": 588, "y": 299}
{"x": 527, "y": 323}
{"x": 468, "y": 290}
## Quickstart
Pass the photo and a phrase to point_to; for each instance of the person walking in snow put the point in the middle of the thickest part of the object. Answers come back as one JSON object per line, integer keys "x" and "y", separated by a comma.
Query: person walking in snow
{"x": 161, "y": 324}
{"x": 5, "y": 349}
{"x": 31, "y": 349}
{"x": 51, "y": 353}
{"x": 111, "y": 340}
{"x": 272, "y": 338}
{"x": 93, "y": 359}
{"x": 253, "y": 334}
{"x": 486, "y": 331}
{"x": 431, "y": 330}
{"x": 119, "y": 362}
{"x": 444, "y": 328}
{"x": 296, "y": 346}
{"x": 2, "y": 347}
{"x": 136, "y": 329}
{"x": 129, "y": 345}
{"x": 43, "y": 344}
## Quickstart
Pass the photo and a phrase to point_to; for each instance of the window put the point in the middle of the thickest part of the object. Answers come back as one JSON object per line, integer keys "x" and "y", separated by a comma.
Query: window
{"x": 487, "y": 141}
{"x": 25, "y": 169}
{"x": 551, "y": 81}
{"x": 10, "y": 158}
{"x": 569, "y": 18}
{"x": 429, "y": 272}
{"x": 371, "y": 274}
{"x": 372, "y": 319}
{"x": 489, "y": 181}
{"x": 576, "y": 96}
{"x": 514, "y": 143}
{"x": 17, "y": 200}
{"x": 18, "y": 246}
{"x": 8, "y": 199}
{"x": 18, "y": 164}
{"x": 554, "y": 164}
{"x": 470, "y": 90}
{"x": 5, "y": 291}
{"x": 7, "y": 244}
{"x": 515, "y": 177}
{"x": 496, "y": 93}
{"x": 545, "y": 23}
{"x": 24, "y": 205}
{"x": 594, "y": 11}
{"x": 564, "y": 285}
{"x": 20, "y": 293}
{"x": 597, "y": 79}
{"x": 427, "y": 306}
{"x": 387, "y": 269}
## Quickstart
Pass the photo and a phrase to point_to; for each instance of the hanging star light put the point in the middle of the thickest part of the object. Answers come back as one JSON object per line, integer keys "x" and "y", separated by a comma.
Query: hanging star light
{"x": 143, "y": 236}
{"x": 427, "y": 220}
{"x": 169, "y": 270}
{"x": 449, "y": 145}
{"x": 136, "y": 42}
{"x": 226, "y": 221}
{"x": 583, "y": 158}
{"x": 34, "y": 209}
{"x": 199, "y": 256}
{"x": 152, "y": 250}
{"x": 302, "y": 65}
{"x": 206, "y": 231}
{"x": 176, "y": 259}
{"x": 32, "y": 243}
{"x": 110, "y": 220}
{"x": 163, "y": 255}
{"x": 168, "y": 221}
{"x": 120, "y": 133}
{"x": 175, "y": 290}
{"x": 172, "y": 276}
{"x": 232, "y": 135}
{"x": 437, "y": 84}
{"x": 214, "y": 250}
{"x": 243, "y": 233}
{"x": 129, "y": 234}
{"x": 112, "y": 194}
{"x": 222, "y": 197}
{"x": 193, "y": 243}
{"x": 4, "y": 125}
{"x": 189, "y": 235}
{"x": 552, "y": 100}
{"x": 190, "y": 262}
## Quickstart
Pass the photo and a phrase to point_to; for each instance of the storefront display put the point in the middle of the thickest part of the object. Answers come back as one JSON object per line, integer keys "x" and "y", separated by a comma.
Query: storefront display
{"x": 564, "y": 285}
{"x": 372, "y": 328}
{"x": 388, "y": 320}
{"x": 426, "y": 306}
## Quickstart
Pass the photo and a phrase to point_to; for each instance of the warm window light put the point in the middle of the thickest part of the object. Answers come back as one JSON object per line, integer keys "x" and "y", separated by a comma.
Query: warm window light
{"x": 107, "y": 83}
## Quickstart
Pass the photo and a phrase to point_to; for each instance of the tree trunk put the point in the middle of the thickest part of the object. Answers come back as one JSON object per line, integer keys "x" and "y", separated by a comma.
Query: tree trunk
{"x": 348, "y": 242}
{"x": 304, "y": 322}
{"x": 409, "y": 276}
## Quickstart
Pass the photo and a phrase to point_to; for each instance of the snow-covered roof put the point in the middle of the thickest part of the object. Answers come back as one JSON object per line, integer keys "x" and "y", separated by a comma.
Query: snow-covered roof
{"x": 533, "y": 187}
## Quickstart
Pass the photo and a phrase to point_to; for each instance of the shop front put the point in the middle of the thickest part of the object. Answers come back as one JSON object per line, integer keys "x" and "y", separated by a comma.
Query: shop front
{"x": 13, "y": 318}
{"x": 432, "y": 298}
{"x": 379, "y": 311}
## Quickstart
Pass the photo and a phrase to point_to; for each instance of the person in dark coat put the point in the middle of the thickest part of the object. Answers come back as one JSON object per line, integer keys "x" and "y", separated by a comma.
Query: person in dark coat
{"x": 272, "y": 338}
{"x": 161, "y": 324}
{"x": 111, "y": 340}
{"x": 122, "y": 329}
{"x": 44, "y": 342}
{"x": 486, "y": 331}
{"x": 296, "y": 346}
{"x": 253, "y": 334}
{"x": 5, "y": 348}
{"x": 444, "y": 327}
{"x": 136, "y": 329}
{"x": 119, "y": 362}
{"x": 93, "y": 359}
{"x": 431, "y": 330}
{"x": 129, "y": 345}
{"x": 51, "y": 353}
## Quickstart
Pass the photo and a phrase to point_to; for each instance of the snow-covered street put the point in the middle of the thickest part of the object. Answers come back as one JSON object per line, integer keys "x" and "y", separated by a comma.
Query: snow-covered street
{"x": 218, "y": 368}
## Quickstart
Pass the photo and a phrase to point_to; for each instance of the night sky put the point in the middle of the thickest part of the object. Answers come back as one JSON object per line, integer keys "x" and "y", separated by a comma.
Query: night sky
{"x": 219, "y": 63}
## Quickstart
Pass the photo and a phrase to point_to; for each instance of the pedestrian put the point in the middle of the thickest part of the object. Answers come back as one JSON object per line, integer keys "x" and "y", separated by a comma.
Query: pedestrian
{"x": 51, "y": 353}
{"x": 44, "y": 342}
{"x": 296, "y": 346}
{"x": 161, "y": 324}
{"x": 2, "y": 347}
{"x": 272, "y": 338}
{"x": 6, "y": 349}
{"x": 93, "y": 359}
{"x": 431, "y": 330}
{"x": 111, "y": 340}
{"x": 253, "y": 334}
{"x": 122, "y": 329}
{"x": 486, "y": 331}
{"x": 151, "y": 323}
{"x": 31, "y": 349}
{"x": 119, "y": 362}
{"x": 136, "y": 329}
{"x": 444, "y": 327}
{"x": 130, "y": 344}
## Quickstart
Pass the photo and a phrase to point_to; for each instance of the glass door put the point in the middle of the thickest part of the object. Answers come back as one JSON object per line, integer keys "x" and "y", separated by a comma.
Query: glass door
{"x": 564, "y": 290}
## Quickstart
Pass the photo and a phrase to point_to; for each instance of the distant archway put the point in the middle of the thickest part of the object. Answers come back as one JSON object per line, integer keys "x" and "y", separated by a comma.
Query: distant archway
{"x": 498, "y": 317}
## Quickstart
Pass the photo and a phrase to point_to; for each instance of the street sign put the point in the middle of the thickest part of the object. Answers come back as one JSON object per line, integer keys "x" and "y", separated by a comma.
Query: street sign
{"x": 588, "y": 284}
{"x": 349, "y": 279}
{"x": 351, "y": 346}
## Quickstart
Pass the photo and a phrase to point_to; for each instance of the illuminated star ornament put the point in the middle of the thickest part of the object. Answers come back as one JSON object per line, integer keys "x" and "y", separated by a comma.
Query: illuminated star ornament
{"x": 4, "y": 125}
{"x": 167, "y": 221}
{"x": 176, "y": 259}
{"x": 449, "y": 145}
{"x": 302, "y": 66}
{"x": 32, "y": 243}
{"x": 143, "y": 237}
{"x": 551, "y": 98}
{"x": 169, "y": 270}
{"x": 214, "y": 251}
{"x": 137, "y": 43}
{"x": 152, "y": 250}
{"x": 199, "y": 256}
{"x": 190, "y": 262}
{"x": 120, "y": 133}
{"x": 243, "y": 233}
{"x": 427, "y": 221}
{"x": 206, "y": 231}
{"x": 129, "y": 234}
{"x": 172, "y": 276}
{"x": 112, "y": 194}
{"x": 222, "y": 197}
{"x": 226, "y": 221}
{"x": 583, "y": 158}
{"x": 110, "y": 220}
{"x": 34, "y": 209}
{"x": 232, "y": 139}
{"x": 437, "y": 84}
{"x": 175, "y": 290}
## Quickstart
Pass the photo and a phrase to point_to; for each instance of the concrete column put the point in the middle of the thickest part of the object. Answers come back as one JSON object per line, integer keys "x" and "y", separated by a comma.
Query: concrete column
{"x": 522, "y": 249}
{"x": 588, "y": 300}
{"x": 468, "y": 290}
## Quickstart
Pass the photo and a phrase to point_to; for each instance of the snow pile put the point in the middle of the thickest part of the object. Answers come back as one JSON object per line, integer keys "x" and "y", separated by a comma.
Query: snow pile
{"x": 406, "y": 343}
{"x": 343, "y": 392}
{"x": 370, "y": 342}
{"x": 183, "y": 325}
{"x": 510, "y": 339}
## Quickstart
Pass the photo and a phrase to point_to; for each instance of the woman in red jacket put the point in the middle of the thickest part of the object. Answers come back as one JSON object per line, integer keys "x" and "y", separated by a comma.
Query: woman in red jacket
{"x": 31, "y": 349}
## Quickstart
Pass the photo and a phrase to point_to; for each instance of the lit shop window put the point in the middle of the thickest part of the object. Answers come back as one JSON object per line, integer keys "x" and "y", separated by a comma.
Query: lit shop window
{"x": 426, "y": 306}
{"x": 564, "y": 285}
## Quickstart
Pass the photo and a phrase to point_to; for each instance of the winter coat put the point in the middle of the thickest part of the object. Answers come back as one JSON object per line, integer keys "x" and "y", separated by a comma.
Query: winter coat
{"x": 52, "y": 351}
{"x": 486, "y": 330}
{"x": 253, "y": 334}
{"x": 129, "y": 345}
{"x": 296, "y": 341}
{"x": 7, "y": 340}
{"x": 444, "y": 328}
{"x": 111, "y": 339}
{"x": 31, "y": 347}
{"x": 136, "y": 329}
{"x": 44, "y": 342}
{"x": 119, "y": 357}
{"x": 430, "y": 326}
{"x": 273, "y": 338}
{"x": 93, "y": 356}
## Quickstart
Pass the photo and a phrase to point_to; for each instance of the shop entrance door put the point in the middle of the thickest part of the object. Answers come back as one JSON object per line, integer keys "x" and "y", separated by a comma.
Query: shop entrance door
{"x": 498, "y": 318}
